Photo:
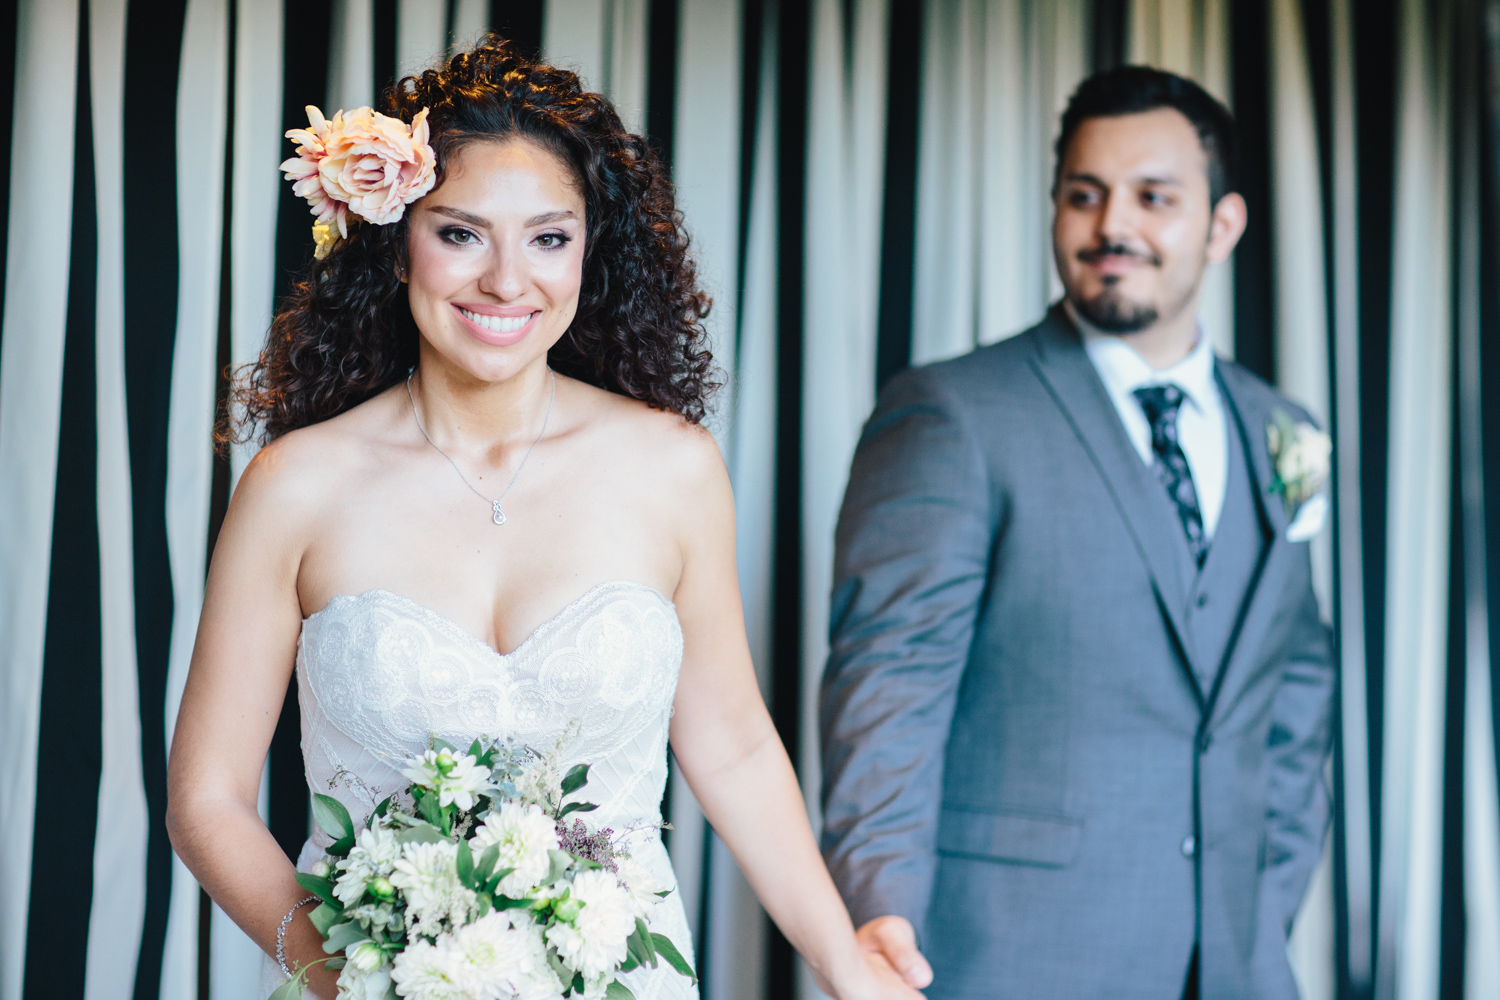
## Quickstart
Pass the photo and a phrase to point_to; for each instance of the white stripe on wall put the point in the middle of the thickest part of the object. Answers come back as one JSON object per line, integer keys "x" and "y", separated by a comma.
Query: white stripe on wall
{"x": 41, "y": 212}
{"x": 706, "y": 174}
{"x": 351, "y": 56}
{"x": 419, "y": 35}
{"x": 202, "y": 112}
{"x": 118, "y": 907}
{"x": 1418, "y": 527}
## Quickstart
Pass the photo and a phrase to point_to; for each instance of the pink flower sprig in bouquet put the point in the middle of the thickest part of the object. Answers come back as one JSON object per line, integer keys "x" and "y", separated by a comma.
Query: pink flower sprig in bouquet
{"x": 362, "y": 164}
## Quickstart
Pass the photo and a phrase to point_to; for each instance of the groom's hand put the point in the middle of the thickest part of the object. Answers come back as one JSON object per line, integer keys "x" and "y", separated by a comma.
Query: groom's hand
{"x": 894, "y": 940}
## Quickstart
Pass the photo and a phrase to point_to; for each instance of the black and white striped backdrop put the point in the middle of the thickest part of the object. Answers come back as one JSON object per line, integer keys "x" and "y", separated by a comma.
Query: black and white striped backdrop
{"x": 866, "y": 182}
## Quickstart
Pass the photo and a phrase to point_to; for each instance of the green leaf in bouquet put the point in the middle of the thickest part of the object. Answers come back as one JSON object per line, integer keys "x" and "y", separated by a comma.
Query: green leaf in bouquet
{"x": 384, "y": 807}
{"x": 487, "y": 862}
{"x": 318, "y": 886}
{"x": 618, "y": 991}
{"x": 576, "y": 807}
{"x": 575, "y": 779}
{"x": 432, "y": 812}
{"x": 668, "y": 950}
{"x": 291, "y": 989}
{"x": 421, "y": 833}
{"x": 438, "y": 743}
{"x": 332, "y": 817}
{"x": 664, "y": 893}
{"x": 506, "y": 903}
{"x": 561, "y": 860}
{"x": 630, "y": 964}
{"x": 337, "y": 963}
{"x": 324, "y": 916}
{"x": 464, "y": 862}
{"x": 578, "y": 984}
{"x": 341, "y": 936}
{"x": 645, "y": 936}
{"x": 476, "y": 750}
{"x": 638, "y": 945}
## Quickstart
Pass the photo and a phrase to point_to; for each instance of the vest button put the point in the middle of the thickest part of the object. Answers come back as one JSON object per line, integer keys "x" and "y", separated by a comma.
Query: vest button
{"x": 1202, "y": 600}
{"x": 1189, "y": 846}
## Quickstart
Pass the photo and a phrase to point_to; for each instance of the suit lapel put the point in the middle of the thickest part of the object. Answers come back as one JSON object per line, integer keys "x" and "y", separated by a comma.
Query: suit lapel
{"x": 1065, "y": 370}
{"x": 1248, "y": 421}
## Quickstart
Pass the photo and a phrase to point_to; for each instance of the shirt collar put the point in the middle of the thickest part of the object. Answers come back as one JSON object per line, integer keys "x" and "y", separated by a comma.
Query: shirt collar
{"x": 1124, "y": 370}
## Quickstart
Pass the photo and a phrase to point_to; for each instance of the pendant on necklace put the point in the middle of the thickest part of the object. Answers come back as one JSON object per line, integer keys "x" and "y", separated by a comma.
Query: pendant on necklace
{"x": 499, "y": 516}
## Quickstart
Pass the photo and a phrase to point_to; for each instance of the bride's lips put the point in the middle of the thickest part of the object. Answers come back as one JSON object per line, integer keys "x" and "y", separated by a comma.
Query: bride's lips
{"x": 499, "y": 326}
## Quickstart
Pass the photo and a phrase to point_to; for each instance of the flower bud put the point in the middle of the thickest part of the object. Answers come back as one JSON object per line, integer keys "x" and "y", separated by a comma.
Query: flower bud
{"x": 366, "y": 956}
{"x": 567, "y": 909}
{"x": 381, "y": 888}
{"x": 322, "y": 869}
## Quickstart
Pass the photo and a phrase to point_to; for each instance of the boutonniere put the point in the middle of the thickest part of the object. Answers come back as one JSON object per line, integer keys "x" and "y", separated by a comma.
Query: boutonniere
{"x": 1299, "y": 457}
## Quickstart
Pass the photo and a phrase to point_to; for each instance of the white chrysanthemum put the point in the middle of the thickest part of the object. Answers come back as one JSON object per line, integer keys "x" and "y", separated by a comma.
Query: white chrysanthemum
{"x": 427, "y": 971}
{"x": 639, "y": 881}
{"x": 428, "y": 875}
{"x": 594, "y": 942}
{"x": 506, "y": 959}
{"x": 361, "y": 984}
{"x": 524, "y": 834}
{"x": 374, "y": 853}
{"x": 456, "y": 779}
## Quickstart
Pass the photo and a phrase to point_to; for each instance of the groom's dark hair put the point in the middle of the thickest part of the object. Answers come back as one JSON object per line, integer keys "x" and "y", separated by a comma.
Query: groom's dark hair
{"x": 1129, "y": 90}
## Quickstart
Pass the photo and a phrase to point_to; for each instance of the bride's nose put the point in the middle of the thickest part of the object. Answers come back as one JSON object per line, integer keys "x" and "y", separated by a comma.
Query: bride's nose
{"x": 506, "y": 277}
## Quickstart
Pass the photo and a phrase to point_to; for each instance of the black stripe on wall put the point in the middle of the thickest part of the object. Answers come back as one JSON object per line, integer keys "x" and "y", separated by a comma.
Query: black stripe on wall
{"x": 69, "y": 751}
{"x": 1376, "y": 53}
{"x": 304, "y": 80}
{"x": 1111, "y": 33}
{"x": 793, "y": 51}
{"x": 898, "y": 221}
{"x": 1254, "y": 276}
{"x": 1489, "y": 335}
{"x": 520, "y": 21}
{"x": 153, "y": 47}
{"x": 661, "y": 78}
{"x": 385, "y": 49}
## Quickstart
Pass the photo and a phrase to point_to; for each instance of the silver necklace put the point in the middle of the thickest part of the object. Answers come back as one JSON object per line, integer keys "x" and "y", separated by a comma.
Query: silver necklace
{"x": 498, "y": 512}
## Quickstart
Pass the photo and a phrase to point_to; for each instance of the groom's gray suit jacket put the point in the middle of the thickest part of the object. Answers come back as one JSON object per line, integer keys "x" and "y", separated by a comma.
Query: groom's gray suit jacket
{"x": 1050, "y": 741}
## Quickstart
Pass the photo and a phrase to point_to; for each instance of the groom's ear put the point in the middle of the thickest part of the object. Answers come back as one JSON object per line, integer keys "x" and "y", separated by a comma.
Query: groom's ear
{"x": 1226, "y": 227}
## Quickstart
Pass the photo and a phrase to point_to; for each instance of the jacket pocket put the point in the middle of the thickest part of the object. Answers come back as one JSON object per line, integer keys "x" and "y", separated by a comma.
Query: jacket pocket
{"x": 1018, "y": 838}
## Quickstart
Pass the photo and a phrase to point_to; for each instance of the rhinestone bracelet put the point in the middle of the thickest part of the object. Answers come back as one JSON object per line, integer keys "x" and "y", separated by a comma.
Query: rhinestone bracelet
{"x": 281, "y": 935}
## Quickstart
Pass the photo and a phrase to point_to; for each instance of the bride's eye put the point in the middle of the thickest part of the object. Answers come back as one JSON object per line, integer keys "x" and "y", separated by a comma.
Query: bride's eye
{"x": 553, "y": 241}
{"x": 458, "y": 236}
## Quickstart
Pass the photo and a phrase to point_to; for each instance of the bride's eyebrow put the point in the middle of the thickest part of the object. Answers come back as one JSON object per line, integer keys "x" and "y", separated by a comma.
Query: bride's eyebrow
{"x": 546, "y": 217}
{"x": 461, "y": 216}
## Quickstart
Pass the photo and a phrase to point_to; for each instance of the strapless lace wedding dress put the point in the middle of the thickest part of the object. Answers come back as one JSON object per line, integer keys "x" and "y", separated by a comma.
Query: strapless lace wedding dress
{"x": 378, "y": 673}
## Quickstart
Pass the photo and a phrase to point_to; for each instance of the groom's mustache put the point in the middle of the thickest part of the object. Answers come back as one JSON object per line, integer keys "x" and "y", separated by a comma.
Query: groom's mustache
{"x": 1093, "y": 255}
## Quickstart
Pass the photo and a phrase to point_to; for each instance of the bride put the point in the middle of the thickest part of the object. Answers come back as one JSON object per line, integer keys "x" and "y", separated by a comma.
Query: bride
{"x": 487, "y": 507}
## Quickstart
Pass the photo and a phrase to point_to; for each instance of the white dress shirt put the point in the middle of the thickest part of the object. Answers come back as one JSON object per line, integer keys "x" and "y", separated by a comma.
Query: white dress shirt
{"x": 1201, "y": 428}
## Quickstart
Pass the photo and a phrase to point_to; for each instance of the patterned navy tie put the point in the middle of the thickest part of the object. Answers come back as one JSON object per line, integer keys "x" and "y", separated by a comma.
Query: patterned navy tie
{"x": 1160, "y": 404}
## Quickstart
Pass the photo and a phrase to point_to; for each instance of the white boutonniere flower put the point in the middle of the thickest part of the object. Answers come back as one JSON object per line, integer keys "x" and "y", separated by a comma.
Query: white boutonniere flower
{"x": 1300, "y": 455}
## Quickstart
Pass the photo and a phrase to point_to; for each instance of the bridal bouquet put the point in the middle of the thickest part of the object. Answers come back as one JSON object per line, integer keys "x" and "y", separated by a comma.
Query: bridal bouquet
{"x": 481, "y": 882}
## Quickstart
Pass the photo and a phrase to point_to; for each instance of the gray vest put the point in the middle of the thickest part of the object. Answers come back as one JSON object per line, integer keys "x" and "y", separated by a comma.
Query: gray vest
{"x": 1220, "y": 588}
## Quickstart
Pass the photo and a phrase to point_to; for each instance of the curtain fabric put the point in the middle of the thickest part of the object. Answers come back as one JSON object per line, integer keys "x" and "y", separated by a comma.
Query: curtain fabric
{"x": 866, "y": 183}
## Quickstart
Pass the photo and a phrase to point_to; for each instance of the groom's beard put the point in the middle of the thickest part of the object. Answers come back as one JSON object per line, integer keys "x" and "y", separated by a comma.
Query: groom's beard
{"x": 1113, "y": 313}
{"x": 1110, "y": 310}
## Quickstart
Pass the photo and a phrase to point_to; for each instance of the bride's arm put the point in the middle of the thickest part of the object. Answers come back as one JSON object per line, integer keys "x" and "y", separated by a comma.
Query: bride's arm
{"x": 242, "y": 663}
{"x": 729, "y": 752}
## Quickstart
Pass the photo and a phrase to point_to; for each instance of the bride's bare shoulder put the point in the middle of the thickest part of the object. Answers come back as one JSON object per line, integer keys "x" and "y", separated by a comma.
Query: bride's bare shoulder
{"x": 295, "y": 477}
{"x": 670, "y": 452}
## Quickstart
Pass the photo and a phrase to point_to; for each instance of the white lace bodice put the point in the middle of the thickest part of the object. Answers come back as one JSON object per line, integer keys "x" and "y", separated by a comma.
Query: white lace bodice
{"x": 377, "y": 674}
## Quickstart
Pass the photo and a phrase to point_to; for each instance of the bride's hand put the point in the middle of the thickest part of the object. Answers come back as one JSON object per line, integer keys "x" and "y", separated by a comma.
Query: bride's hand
{"x": 890, "y": 966}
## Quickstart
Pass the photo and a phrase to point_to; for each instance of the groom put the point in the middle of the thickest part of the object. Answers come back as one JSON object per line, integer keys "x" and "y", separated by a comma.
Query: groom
{"x": 1079, "y": 697}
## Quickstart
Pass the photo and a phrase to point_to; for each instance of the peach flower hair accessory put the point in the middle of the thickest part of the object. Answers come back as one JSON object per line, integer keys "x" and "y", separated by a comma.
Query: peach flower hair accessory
{"x": 362, "y": 164}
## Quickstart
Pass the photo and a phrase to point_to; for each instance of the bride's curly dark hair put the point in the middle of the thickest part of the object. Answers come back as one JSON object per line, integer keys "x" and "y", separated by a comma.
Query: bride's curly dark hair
{"x": 345, "y": 333}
